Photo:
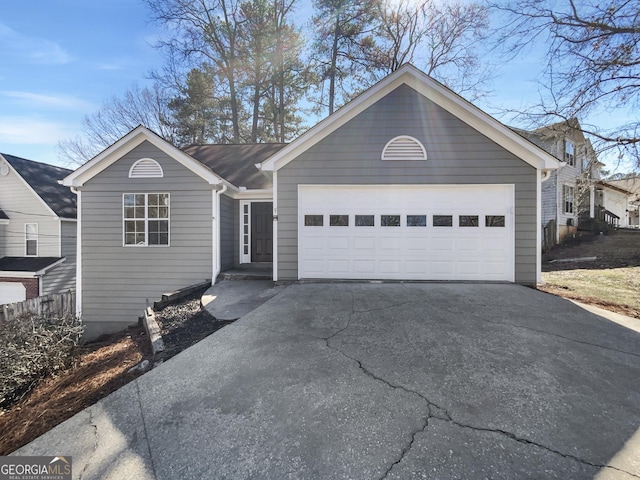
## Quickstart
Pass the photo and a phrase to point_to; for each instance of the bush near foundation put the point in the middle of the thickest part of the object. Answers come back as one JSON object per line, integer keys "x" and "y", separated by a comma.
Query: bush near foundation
{"x": 34, "y": 346}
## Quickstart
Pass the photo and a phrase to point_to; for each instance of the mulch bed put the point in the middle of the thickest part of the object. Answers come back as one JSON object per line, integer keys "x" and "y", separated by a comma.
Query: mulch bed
{"x": 186, "y": 323}
{"x": 101, "y": 368}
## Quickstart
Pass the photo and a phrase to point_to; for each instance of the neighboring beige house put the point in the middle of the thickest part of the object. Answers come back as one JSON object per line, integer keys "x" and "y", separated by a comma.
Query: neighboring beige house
{"x": 37, "y": 230}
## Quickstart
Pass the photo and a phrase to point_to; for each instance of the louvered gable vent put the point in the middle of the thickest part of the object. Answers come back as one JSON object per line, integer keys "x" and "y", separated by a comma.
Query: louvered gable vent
{"x": 404, "y": 148}
{"x": 146, "y": 168}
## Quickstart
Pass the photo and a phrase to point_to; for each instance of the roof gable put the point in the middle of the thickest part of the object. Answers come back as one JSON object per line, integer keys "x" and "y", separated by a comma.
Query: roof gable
{"x": 125, "y": 145}
{"x": 434, "y": 91}
{"x": 44, "y": 179}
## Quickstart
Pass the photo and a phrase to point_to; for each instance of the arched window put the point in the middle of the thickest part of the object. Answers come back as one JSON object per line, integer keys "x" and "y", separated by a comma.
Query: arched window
{"x": 146, "y": 168}
{"x": 404, "y": 148}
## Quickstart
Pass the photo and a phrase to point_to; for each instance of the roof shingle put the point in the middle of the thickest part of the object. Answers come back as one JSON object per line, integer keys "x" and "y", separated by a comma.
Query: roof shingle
{"x": 236, "y": 163}
{"x": 43, "y": 178}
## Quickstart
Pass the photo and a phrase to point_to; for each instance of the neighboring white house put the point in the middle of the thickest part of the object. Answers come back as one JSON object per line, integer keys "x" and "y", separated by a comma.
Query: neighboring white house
{"x": 569, "y": 193}
{"x": 37, "y": 230}
{"x": 622, "y": 198}
{"x": 408, "y": 181}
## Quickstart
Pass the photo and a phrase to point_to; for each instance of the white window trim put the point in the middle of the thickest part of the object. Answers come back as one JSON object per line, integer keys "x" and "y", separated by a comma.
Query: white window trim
{"x": 146, "y": 220}
{"x": 571, "y": 161}
{"x": 245, "y": 257}
{"x": 26, "y": 238}
{"x": 564, "y": 199}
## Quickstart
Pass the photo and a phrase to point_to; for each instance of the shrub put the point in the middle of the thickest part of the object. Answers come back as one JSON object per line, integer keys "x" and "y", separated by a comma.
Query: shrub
{"x": 33, "y": 346}
{"x": 596, "y": 226}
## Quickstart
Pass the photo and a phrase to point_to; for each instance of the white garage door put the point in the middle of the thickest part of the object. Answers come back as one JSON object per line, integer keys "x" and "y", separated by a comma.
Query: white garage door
{"x": 12, "y": 292}
{"x": 416, "y": 232}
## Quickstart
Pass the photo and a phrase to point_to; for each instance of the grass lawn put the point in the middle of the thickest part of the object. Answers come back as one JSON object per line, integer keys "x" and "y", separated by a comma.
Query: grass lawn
{"x": 609, "y": 286}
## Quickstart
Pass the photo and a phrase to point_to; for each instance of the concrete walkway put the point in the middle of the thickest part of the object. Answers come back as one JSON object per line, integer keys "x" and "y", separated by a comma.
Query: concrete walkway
{"x": 233, "y": 299}
{"x": 372, "y": 381}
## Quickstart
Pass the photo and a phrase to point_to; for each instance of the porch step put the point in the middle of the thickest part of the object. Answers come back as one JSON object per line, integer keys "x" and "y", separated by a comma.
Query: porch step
{"x": 248, "y": 272}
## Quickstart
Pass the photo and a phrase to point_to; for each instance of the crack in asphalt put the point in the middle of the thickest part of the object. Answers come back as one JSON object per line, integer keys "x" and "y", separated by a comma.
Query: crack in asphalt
{"x": 447, "y": 416}
{"x": 431, "y": 406}
{"x": 95, "y": 445}
{"x": 144, "y": 426}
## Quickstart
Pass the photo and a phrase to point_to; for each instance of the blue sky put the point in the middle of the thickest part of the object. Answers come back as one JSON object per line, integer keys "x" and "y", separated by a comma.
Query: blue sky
{"x": 61, "y": 59}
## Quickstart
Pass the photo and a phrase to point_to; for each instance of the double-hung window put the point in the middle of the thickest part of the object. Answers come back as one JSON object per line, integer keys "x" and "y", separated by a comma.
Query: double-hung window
{"x": 146, "y": 219}
{"x": 567, "y": 197}
{"x": 31, "y": 239}
{"x": 569, "y": 153}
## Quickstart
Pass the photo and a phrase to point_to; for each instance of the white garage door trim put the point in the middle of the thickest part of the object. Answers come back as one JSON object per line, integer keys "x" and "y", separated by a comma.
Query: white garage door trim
{"x": 421, "y": 252}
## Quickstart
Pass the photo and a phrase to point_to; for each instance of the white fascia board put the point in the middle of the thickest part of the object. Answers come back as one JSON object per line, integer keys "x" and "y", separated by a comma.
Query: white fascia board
{"x": 127, "y": 143}
{"x": 436, "y": 92}
{"x": 4, "y": 221}
{"x": 262, "y": 194}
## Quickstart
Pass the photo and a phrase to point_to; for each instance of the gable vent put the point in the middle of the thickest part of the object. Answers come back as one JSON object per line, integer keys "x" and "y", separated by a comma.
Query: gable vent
{"x": 404, "y": 148}
{"x": 146, "y": 168}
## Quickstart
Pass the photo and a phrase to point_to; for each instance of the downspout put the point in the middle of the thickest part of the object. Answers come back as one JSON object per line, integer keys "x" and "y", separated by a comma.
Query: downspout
{"x": 217, "y": 256}
{"x": 78, "y": 194}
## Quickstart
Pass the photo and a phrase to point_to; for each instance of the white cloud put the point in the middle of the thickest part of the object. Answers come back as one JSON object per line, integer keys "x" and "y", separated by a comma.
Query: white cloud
{"x": 32, "y": 49}
{"x": 35, "y": 100}
{"x": 110, "y": 66}
{"x": 17, "y": 130}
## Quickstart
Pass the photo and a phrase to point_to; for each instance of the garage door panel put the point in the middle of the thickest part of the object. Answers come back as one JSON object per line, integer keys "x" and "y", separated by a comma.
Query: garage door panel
{"x": 420, "y": 244}
{"x": 339, "y": 244}
{"x": 364, "y": 244}
{"x": 388, "y": 244}
{"x": 443, "y": 244}
{"x": 390, "y": 266}
{"x": 415, "y": 249}
{"x": 364, "y": 266}
{"x": 417, "y": 267}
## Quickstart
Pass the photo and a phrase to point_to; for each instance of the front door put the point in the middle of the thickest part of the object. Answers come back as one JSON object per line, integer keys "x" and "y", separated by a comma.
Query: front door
{"x": 262, "y": 232}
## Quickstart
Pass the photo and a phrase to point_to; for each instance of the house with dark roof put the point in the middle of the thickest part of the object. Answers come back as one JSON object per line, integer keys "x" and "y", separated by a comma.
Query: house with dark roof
{"x": 37, "y": 230}
{"x": 408, "y": 181}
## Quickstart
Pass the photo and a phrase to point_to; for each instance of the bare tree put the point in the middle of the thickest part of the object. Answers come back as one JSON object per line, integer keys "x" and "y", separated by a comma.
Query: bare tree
{"x": 593, "y": 61}
{"x": 138, "y": 106}
{"x": 343, "y": 34}
{"x": 205, "y": 30}
{"x": 440, "y": 38}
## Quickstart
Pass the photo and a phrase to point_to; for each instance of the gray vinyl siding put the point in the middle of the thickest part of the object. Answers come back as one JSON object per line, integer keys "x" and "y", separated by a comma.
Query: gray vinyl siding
{"x": 117, "y": 280}
{"x": 457, "y": 154}
{"x": 227, "y": 229}
{"x": 63, "y": 277}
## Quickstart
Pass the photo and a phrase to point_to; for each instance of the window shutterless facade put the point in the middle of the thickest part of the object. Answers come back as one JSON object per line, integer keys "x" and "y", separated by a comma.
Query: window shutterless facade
{"x": 569, "y": 152}
{"x": 567, "y": 197}
{"x": 31, "y": 239}
{"x": 145, "y": 219}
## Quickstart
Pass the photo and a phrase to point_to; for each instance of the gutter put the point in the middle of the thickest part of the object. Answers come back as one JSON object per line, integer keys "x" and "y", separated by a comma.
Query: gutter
{"x": 217, "y": 257}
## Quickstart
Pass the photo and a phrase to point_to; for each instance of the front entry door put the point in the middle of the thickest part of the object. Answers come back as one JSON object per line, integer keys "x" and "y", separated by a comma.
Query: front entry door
{"x": 262, "y": 232}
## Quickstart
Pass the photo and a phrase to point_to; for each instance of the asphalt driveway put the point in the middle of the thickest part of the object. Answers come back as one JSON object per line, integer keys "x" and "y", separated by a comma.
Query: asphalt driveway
{"x": 371, "y": 381}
